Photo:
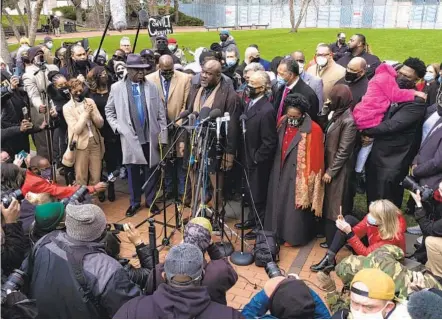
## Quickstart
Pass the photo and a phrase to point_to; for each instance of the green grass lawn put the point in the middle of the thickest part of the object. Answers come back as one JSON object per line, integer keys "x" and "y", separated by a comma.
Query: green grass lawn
{"x": 17, "y": 21}
{"x": 391, "y": 44}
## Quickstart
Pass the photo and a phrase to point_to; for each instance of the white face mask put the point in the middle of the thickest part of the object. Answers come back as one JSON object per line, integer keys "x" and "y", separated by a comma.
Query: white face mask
{"x": 171, "y": 47}
{"x": 301, "y": 67}
{"x": 371, "y": 220}
{"x": 360, "y": 315}
{"x": 321, "y": 61}
{"x": 49, "y": 45}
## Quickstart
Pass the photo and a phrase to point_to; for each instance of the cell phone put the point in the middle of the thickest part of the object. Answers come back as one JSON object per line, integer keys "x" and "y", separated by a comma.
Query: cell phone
{"x": 25, "y": 112}
{"x": 119, "y": 226}
{"x": 23, "y": 154}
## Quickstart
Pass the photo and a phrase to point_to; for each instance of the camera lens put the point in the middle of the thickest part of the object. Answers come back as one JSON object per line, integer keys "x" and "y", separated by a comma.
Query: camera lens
{"x": 272, "y": 270}
{"x": 15, "y": 280}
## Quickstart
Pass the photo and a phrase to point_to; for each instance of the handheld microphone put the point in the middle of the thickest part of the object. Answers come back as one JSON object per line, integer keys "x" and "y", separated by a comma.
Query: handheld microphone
{"x": 143, "y": 18}
{"x": 226, "y": 119}
{"x": 243, "y": 119}
{"x": 118, "y": 13}
{"x": 112, "y": 176}
{"x": 218, "y": 128}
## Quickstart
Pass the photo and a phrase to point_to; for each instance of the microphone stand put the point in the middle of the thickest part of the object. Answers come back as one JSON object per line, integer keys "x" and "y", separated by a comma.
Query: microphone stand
{"x": 102, "y": 37}
{"x": 241, "y": 258}
{"x": 153, "y": 247}
{"x": 162, "y": 164}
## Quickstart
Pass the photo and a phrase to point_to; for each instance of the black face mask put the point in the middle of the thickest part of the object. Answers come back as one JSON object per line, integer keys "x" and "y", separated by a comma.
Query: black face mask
{"x": 351, "y": 76}
{"x": 162, "y": 46}
{"x": 342, "y": 41}
{"x": 81, "y": 64}
{"x": 82, "y": 96}
{"x": 167, "y": 75}
{"x": 255, "y": 60}
{"x": 251, "y": 92}
{"x": 64, "y": 92}
{"x": 439, "y": 110}
{"x": 120, "y": 74}
{"x": 223, "y": 38}
{"x": 404, "y": 83}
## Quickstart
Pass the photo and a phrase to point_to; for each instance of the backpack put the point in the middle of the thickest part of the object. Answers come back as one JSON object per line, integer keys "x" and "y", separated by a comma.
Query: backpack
{"x": 266, "y": 248}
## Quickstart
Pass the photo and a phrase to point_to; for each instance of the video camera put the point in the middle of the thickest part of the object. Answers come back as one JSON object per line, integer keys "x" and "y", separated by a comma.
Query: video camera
{"x": 7, "y": 199}
{"x": 410, "y": 184}
{"x": 78, "y": 196}
{"x": 14, "y": 282}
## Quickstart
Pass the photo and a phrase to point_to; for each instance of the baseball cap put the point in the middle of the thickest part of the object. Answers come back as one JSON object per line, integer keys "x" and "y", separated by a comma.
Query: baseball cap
{"x": 185, "y": 260}
{"x": 225, "y": 32}
{"x": 48, "y": 215}
{"x": 172, "y": 40}
{"x": 47, "y": 39}
{"x": 380, "y": 285}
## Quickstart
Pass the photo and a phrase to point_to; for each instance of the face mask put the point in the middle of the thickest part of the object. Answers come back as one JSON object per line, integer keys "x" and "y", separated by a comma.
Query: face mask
{"x": 428, "y": 77}
{"x": 46, "y": 173}
{"x": 120, "y": 74}
{"x": 171, "y": 47}
{"x": 342, "y": 41}
{"x": 350, "y": 76}
{"x": 361, "y": 315}
{"x": 167, "y": 75}
{"x": 38, "y": 60}
{"x": 301, "y": 67}
{"x": 223, "y": 38}
{"x": 295, "y": 122}
{"x": 49, "y": 45}
{"x": 230, "y": 62}
{"x": 161, "y": 46}
{"x": 281, "y": 81}
{"x": 321, "y": 61}
{"x": 371, "y": 220}
{"x": 251, "y": 92}
{"x": 64, "y": 91}
{"x": 439, "y": 79}
{"x": 404, "y": 83}
{"x": 82, "y": 96}
{"x": 255, "y": 60}
{"x": 81, "y": 64}
{"x": 102, "y": 80}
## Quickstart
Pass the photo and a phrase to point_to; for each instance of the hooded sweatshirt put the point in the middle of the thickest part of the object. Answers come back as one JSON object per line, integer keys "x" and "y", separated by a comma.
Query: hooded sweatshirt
{"x": 169, "y": 302}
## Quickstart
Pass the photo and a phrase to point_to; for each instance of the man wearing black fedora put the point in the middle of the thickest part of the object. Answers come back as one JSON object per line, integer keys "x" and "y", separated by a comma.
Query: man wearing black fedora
{"x": 135, "y": 111}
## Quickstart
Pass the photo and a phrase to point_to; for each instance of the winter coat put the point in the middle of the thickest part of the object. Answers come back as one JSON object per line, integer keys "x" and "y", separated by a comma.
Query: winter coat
{"x": 381, "y": 92}
{"x": 13, "y": 248}
{"x": 363, "y": 228}
{"x": 230, "y": 44}
{"x": 259, "y": 305}
{"x": 36, "y": 184}
{"x": 169, "y": 302}
{"x": 58, "y": 291}
{"x": 219, "y": 276}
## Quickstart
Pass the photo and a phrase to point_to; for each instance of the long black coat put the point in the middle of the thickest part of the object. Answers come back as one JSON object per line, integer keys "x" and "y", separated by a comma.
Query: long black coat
{"x": 302, "y": 88}
{"x": 261, "y": 142}
{"x": 396, "y": 141}
{"x": 291, "y": 224}
{"x": 429, "y": 158}
{"x": 358, "y": 89}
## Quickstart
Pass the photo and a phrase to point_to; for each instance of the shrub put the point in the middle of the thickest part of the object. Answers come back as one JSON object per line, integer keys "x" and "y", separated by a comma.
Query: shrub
{"x": 69, "y": 12}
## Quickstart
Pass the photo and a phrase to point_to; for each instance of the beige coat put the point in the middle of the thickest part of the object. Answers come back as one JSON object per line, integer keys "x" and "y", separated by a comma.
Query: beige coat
{"x": 77, "y": 123}
{"x": 178, "y": 92}
{"x": 329, "y": 75}
{"x": 35, "y": 86}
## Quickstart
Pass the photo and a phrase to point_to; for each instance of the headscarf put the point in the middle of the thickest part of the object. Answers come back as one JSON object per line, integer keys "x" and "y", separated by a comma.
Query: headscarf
{"x": 340, "y": 100}
{"x": 275, "y": 64}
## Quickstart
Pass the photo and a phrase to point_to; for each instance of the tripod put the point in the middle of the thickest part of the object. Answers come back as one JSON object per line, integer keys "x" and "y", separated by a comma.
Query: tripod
{"x": 162, "y": 165}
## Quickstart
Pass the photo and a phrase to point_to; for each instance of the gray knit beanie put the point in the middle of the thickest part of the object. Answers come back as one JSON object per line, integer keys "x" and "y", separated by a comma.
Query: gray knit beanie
{"x": 85, "y": 222}
{"x": 184, "y": 259}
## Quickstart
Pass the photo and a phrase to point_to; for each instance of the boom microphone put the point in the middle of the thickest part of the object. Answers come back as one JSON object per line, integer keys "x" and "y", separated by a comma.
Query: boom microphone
{"x": 118, "y": 13}
{"x": 143, "y": 17}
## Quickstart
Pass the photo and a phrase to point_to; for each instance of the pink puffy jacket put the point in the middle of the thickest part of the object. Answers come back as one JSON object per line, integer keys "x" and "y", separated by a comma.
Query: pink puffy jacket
{"x": 381, "y": 92}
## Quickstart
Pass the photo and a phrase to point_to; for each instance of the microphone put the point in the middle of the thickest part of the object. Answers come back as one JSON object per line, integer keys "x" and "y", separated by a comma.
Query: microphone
{"x": 143, "y": 18}
{"x": 215, "y": 113}
{"x": 112, "y": 176}
{"x": 183, "y": 115}
{"x": 192, "y": 118}
{"x": 118, "y": 13}
{"x": 243, "y": 119}
{"x": 204, "y": 113}
{"x": 218, "y": 128}
{"x": 226, "y": 119}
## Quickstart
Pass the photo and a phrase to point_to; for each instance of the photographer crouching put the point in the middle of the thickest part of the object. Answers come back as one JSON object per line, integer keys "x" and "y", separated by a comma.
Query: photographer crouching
{"x": 428, "y": 214}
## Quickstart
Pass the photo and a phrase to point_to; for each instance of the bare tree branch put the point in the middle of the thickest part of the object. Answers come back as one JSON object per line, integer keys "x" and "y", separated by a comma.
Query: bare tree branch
{"x": 4, "y": 46}
{"x": 34, "y": 21}
{"x": 23, "y": 22}
{"x": 11, "y": 24}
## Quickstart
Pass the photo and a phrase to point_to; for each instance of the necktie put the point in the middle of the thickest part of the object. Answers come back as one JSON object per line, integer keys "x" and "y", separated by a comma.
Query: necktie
{"x": 281, "y": 105}
{"x": 138, "y": 103}
{"x": 166, "y": 85}
{"x": 250, "y": 105}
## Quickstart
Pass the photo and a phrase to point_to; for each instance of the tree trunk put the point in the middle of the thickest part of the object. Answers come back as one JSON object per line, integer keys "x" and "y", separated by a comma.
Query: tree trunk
{"x": 292, "y": 15}
{"x": 176, "y": 7}
{"x": 167, "y": 7}
{"x": 28, "y": 11}
{"x": 22, "y": 19}
{"x": 4, "y": 46}
{"x": 34, "y": 21}
{"x": 302, "y": 13}
{"x": 11, "y": 24}
{"x": 79, "y": 14}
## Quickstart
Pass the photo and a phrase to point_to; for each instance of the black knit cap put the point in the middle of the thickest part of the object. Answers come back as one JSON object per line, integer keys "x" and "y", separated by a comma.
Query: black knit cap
{"x": 34, "y": 51}
{"x": 292, "y": 300}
